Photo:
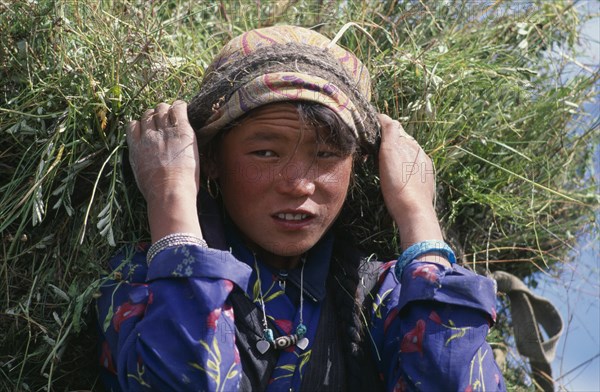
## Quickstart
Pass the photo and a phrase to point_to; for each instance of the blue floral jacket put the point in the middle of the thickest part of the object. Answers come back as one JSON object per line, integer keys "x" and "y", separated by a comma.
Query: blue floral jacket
{"x": 170, "y": 326}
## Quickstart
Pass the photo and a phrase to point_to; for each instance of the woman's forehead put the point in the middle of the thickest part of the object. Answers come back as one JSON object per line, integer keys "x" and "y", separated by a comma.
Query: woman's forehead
{"x": 292, "y": 122}
{"x": 276, "y": 122}
{"x": 274, "y": 111}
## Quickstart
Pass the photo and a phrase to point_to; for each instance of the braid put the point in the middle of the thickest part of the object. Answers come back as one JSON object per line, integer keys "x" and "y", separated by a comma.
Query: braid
{"x": 346, "y": 282}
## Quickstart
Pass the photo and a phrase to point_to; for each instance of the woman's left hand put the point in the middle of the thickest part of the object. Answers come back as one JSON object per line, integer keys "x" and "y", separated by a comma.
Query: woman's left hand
{"x": 407, "y": 174}
{"x": 408, "y": 184}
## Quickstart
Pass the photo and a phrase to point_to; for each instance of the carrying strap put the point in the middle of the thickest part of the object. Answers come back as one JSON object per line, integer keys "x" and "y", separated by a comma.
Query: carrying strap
{"x": 529, "y": 312}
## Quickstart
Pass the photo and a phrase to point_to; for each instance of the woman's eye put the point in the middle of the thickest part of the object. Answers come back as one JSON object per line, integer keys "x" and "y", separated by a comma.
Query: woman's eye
{"x": 327, "y": 154}
{"x": 265, "y": 153}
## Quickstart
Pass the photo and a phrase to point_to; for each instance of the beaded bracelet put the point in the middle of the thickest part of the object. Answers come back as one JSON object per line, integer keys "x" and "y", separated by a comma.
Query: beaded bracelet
{"x": 171, "y": 240}
{"x": 421, "y": 248}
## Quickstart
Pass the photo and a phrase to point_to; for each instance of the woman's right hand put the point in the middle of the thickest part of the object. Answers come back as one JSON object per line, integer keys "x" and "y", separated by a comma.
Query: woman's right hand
{"x": 163, "y": 151}
{"x": 164, "y": 157}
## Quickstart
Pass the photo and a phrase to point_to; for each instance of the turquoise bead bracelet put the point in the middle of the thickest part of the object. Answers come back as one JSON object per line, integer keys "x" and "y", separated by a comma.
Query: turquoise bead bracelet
{"x": 421, "y": 248}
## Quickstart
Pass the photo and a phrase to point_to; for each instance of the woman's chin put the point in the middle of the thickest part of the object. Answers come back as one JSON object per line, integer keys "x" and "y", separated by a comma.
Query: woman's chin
{"x": 284, "y": 257}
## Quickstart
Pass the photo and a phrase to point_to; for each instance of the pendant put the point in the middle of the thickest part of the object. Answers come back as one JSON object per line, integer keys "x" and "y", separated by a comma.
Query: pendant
{"x": 302, "y": 343}
{"x": 301, "y": 330}
{"x": 284, "y": 342}
{"x": 268, "y": 335}
{"x": 262, "y": 346}
{"x": 281, "y": 342}
{"x": 282, "y": 279}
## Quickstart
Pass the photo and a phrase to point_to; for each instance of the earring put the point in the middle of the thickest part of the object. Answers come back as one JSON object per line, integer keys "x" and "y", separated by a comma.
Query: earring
{"x": 213, "y": 191}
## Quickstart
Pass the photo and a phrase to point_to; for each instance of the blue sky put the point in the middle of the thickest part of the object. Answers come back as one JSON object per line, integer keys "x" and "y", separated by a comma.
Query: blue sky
{"x": 577, "y": 293}
{"x": 577, "y": 365}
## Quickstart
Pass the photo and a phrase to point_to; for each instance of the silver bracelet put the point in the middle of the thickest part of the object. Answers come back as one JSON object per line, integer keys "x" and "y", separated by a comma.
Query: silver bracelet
{"x": 171, "y": 240}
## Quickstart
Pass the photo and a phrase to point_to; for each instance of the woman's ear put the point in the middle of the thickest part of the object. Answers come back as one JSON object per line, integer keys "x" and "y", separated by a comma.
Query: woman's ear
{"x": 209, "y": 166}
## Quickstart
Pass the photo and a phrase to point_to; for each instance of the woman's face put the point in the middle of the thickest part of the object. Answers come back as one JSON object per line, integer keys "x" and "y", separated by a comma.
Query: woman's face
{"x": 280, "y": 186}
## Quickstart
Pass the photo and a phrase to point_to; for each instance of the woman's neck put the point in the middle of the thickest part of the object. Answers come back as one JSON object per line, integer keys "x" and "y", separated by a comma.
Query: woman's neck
{"x": 278, "y": 262}
{"x": 268, "y": 258}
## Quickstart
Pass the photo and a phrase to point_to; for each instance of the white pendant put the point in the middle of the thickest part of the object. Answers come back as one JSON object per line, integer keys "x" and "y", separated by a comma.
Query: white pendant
{"x": 262, "y": 346}
{"x": 302, "y": 343}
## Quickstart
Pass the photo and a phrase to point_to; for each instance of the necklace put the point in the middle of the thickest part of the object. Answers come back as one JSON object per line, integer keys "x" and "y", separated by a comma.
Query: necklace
{"x": 268, "y": 340}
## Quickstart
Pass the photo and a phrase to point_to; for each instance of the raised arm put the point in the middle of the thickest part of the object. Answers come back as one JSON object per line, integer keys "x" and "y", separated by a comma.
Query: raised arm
{"x": 430, "y": 318}
{"x": 165, "y": 323}
{"x": 163, "y": 153}
{"x": 408, "y": 186}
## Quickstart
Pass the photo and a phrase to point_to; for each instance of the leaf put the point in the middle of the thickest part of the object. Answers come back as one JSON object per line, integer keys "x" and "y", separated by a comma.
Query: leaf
{"x": 14, "y": 128}
{"x": 523, "y": 44}
{"x": 305, "y": 358}
{"x": 59, "y": 292}
{"x": 37, "y": 207}
{"x": 212, "y": 365}
{"x": 216, "y": 350}
{"x": 205, "y": 345}
{"x": 274, "y": 295}
{"x": 108, "y": 318}
{"x": 49, "y": 340}
{"x": 377, "y": 304}
{"x": 196, "y": 366}
{"x": 256, "y": 291}
{"x": 57, "y": 319}
{"x": 461, "y": 332}
{"x": 213, "y": 376}
{"x": 289, "y": 368}
{"x": 105, "y": 224}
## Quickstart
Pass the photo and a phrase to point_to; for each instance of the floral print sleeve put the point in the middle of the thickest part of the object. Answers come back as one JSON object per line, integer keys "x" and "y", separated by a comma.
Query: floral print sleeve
{"x": 168, "y": 326}
{"x": 430, "y": 329}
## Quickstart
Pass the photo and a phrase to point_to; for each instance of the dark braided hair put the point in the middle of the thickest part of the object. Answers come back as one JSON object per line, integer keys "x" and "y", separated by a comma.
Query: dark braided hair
{"x": 345, "y": 273}
{"x": 353, "y": 305}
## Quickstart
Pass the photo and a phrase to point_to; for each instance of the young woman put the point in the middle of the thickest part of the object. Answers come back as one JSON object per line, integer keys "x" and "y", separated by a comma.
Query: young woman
{"x": 253, "y": 287}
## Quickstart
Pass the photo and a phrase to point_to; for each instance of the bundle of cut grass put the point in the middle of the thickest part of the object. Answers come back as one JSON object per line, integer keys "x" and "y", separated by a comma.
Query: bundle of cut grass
{"x": 472, "y": 81}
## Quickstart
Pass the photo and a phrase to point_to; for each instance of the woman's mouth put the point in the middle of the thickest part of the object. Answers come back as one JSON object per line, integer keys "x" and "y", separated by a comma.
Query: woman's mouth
{"x": 291, "y": 217}
{"x": 293, "y": 220}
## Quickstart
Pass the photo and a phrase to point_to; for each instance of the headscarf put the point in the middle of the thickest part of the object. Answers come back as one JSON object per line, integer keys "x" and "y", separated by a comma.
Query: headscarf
{"x": 278, "y": 64}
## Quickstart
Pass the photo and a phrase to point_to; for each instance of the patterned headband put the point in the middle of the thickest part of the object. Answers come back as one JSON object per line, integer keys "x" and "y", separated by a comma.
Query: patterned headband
{"x": 283, "y": 63}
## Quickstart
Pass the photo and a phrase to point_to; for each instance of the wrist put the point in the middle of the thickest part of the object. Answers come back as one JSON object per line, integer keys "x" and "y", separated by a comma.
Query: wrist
{"x": 418, "y": 225}
{"x": 173, "y": 213}
{"x": 410, "y": 200}
{"x": 408, "y": 212}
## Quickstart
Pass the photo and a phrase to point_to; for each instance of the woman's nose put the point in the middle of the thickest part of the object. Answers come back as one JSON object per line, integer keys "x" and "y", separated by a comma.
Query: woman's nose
{"x": 296, "y": 181}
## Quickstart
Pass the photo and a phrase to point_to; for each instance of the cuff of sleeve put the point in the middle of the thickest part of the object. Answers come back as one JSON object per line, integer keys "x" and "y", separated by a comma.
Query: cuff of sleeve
{"x": 193, "y": 261}
{"x": 455, "y": 285}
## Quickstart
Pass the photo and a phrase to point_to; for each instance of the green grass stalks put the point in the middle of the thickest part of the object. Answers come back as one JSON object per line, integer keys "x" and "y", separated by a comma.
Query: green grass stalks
{"x": 472, "y": 81}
